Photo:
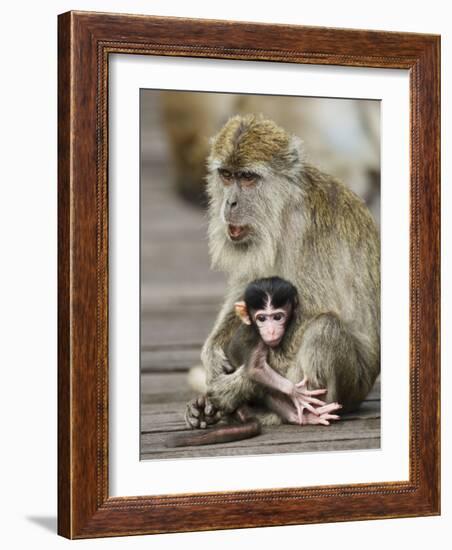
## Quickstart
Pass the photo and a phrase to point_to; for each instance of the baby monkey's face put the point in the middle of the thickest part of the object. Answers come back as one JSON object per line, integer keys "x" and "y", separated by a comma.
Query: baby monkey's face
{"x": 271, "y": 323}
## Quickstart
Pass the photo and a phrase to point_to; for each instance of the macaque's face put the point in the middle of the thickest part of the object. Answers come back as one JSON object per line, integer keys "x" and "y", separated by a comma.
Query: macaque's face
{"x": 247, "y": 187}
{"x": 272, "y": 323}
{"x": 239, "y": 200}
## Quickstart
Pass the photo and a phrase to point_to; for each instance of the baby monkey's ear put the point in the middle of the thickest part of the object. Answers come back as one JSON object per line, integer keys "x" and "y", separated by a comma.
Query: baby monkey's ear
{"x": 242, "y": 312}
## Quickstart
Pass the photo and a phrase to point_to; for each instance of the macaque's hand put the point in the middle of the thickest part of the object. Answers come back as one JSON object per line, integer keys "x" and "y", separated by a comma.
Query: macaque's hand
{"x": 303, "y": 399}
{"x": 227, "y": 367}
{"x": 201, "y": 413}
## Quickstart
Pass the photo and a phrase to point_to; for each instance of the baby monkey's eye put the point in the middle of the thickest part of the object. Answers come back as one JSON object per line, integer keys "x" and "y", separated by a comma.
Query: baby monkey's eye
{"x": 260, "y": 318}
{"x": 278, "y": 316}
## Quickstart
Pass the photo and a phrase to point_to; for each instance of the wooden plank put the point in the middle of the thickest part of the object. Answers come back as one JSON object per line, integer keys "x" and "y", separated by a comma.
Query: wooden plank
{"x": 319, "y": 446}
{"x": 178, "y": 299}
{"x": 155, "y": 448}
{"x": 169, "y": 328}
{"x": 166, "y": 387}
{"x": 170, "y": 359}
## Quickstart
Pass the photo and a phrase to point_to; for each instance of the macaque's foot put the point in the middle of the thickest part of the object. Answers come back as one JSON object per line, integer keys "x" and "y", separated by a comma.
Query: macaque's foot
{"x": 323, "y": 415}
{"x": 201, "y": 413}
{"x": 305, "y": 400}
{"x": 323, "y": 418}
{"x": 329, "y": 408}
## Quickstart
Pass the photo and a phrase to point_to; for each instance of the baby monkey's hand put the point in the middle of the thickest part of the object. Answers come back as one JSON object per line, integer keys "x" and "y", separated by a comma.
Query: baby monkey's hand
{"x": 303, "y": 399}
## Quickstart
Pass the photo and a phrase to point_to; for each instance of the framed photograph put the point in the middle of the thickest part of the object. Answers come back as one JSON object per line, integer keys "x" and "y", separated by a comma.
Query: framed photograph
{"x": 248, "y": 275}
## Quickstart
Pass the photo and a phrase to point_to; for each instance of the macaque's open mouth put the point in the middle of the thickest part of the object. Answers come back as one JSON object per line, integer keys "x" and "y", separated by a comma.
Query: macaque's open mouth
{"x": 238, "y": 232}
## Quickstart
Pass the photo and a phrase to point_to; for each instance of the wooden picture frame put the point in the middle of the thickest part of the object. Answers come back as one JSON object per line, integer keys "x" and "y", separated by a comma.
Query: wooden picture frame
{"x": 85, "y": 42}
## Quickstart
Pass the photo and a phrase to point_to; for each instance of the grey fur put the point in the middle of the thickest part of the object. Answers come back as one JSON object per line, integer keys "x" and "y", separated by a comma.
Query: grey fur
{"x": 308, "y": 228}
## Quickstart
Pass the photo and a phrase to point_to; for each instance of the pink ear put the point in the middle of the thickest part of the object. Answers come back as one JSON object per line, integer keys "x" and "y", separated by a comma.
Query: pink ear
{"x": 242, "y": 312}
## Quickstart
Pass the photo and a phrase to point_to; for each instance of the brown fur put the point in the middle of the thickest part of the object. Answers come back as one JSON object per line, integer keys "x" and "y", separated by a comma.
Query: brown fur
{"x": 247, "y": 140}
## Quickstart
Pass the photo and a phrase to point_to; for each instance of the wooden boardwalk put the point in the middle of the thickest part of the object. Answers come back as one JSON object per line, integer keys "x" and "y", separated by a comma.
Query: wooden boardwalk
{"x": 180, "y": 297}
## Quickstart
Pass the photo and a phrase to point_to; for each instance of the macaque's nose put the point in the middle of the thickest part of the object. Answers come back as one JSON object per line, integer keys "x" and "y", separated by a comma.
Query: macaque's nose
{"x": 232, "y": 204}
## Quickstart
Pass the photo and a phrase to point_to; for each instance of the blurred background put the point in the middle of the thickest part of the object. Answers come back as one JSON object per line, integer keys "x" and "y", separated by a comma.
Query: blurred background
{"x": 180, "y": 294}
{"x": 342, "y": 136}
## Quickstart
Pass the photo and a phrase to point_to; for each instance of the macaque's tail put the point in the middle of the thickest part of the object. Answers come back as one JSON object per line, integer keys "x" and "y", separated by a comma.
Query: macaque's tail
{"x": 197, "y": 379}
{"x": 221, "y": 434}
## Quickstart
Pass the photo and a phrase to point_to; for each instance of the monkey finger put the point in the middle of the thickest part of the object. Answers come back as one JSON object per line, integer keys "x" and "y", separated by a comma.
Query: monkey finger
{"x": 302, "y": 386}
{"x": 193, "y": 410}
{"x": 300, "y": 416}
{"x": 209, "y": 409}
{"x": 315, "y": 392}
{"x": 201, "y": 401}
{"x": 302, "y": 403}
{"x": 308, "y": 399}
{"x": 310, "y": 408}
{"x": 189, "y": 419}
{"x": 329, "y": 408}
{"x": 313, "y": 400}
{"x": 299, "y": 413}
{"x": 203, "y": 424}
{"x": 331, "y": 417}
{"x": 328, "y": 417}
{"x": 299, "y": 408}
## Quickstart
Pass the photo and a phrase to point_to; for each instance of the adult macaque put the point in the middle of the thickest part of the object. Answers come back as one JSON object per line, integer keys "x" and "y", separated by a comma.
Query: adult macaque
{"x": 271, "y": 213}
{"x": 269, "y": 307}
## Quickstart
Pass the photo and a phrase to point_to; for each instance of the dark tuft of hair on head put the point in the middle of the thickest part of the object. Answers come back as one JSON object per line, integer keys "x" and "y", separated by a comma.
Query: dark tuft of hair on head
{"x": 281, "y": 292}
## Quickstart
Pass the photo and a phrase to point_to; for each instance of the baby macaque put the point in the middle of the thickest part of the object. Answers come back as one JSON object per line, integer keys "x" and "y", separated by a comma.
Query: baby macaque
{"x": 268, "y": 309}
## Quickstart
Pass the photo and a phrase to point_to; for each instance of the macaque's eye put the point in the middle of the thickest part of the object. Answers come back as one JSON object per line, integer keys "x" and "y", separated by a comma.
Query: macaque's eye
{"x": 249, "y": 178}
{"x": 260, "y": 318}
{"x": 278, "y": 316}
{"x": 225, "y": 175}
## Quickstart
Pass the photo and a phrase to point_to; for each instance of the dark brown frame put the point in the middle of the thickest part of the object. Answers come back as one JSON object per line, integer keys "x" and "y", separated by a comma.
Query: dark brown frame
{"x": 85, "y": 41}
